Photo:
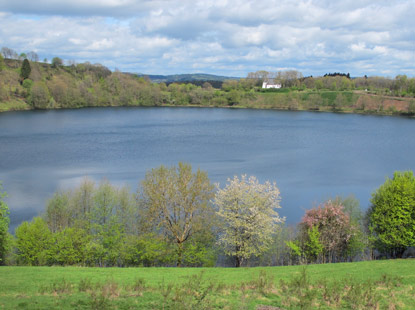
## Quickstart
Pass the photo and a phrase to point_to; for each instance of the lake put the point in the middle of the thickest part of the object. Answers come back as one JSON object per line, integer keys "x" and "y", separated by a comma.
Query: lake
{"x": 311, "y": 156}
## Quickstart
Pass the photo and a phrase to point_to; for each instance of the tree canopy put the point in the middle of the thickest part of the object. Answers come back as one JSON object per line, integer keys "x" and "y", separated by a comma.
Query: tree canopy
{"x": 176, "y": 218}
{"x": 177, "y": 202}
{"x": 247, "y": 210}
{"x": 336, "y": 230}
{"x": 56, "y": 62}
{"x": 392, "y": 214}
{"x": 34, "y": 243}
{"x": 25, "y": 70}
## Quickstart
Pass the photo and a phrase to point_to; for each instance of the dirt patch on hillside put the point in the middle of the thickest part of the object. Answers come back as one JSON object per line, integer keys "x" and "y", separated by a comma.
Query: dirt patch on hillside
{"x": 384, "y": 104}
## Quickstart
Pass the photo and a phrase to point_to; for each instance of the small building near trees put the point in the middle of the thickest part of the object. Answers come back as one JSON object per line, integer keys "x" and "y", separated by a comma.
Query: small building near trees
{"x": 270, "y": 85}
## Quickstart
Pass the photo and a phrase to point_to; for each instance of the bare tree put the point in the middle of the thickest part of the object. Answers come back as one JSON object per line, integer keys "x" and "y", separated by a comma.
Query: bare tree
{"x": 32, "y": 56}
{"x": 9, "y": 53}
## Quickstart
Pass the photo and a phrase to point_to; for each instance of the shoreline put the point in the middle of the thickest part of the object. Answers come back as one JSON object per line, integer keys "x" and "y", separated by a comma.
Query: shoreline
{"x": 22, "y": 106}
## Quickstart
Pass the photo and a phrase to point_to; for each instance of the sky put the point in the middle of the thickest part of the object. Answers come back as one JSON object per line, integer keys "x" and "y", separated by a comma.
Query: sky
{"x": 227, "y": 37}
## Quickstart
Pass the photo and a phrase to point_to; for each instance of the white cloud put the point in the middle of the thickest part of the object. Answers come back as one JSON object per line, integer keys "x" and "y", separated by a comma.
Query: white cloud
{"x": 226, "y": 37}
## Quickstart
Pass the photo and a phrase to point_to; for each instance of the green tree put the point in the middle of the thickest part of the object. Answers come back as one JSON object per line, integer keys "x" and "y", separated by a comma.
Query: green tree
{"x": 25, "y": 70}
{"x": 104, "y": 215}
{"x": 82, "y": 202}
{"x": 392, "y": 214}
{"x": 319, "y": 84}
{"x": 57, "y": 62}
{"x": 313, "y": 246}
{"x": 105, "y": 203}
{"x": 57, "y": 213}
{"x": 70, "y": 246}
{"x": 105, "y": 225}
{"x": 234, "y": 97}
{"x": 228, "y": 85}
{"x": 176, "y": 201}
{"x": 27, "y": 84}
{"x": 127, "y": 211}
{"x": 346, "y": 83}
{"x": 40, "y": 96}
{"x": 4, "y": 226}
{"x": 200, "y": 251}
{"x": 34, "y": 243}
{"x": 146, "y": 250}
{"x": 94, "y": 253}
{"x": 401, "y": 83}
{"x": 308, "y": 247}
{"x": 247, "y": 211}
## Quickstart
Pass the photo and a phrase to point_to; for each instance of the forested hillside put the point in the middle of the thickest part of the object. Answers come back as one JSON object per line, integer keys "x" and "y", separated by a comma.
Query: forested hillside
{"x": 28, "y": 85}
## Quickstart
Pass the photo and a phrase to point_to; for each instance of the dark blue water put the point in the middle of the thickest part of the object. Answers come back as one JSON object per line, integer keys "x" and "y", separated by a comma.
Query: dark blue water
{"x": 311, "y": 156}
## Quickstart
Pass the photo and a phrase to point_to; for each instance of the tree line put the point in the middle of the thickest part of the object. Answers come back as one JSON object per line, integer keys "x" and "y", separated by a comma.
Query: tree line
{"x": 177, "y": 217}
{"x": 400, "y": 86}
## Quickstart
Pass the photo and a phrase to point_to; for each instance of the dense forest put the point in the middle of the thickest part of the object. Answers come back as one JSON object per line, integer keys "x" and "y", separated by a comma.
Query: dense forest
{"x": 178, "y": 218}
{"x": 27, "y": 83}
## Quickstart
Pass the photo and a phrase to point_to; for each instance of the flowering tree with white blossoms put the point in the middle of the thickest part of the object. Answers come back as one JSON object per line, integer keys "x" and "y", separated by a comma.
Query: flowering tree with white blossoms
{"x": 248, "y": 217}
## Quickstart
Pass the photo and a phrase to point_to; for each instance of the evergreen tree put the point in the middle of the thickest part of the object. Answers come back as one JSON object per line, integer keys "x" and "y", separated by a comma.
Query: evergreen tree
{"x": 25, "y": 70}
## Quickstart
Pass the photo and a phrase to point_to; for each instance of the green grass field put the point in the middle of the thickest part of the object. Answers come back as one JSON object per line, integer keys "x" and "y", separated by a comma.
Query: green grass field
{"x": 364, "y": 285}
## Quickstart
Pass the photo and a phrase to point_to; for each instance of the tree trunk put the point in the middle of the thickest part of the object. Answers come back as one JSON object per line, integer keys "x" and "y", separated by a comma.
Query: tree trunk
{"x": 179, "y": 253}
{"x": 238, "y": 261}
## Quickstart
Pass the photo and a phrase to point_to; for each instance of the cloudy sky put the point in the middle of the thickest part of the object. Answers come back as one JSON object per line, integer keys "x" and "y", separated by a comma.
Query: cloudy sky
{"x": 227, "y": 37}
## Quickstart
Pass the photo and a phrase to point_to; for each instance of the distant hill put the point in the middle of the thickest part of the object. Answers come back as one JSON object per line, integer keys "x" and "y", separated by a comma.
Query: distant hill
{"x": 186, "y": 77}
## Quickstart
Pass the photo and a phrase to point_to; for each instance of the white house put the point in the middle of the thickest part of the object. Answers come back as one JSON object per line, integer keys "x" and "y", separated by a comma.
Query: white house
{"x": 269, "y": 85}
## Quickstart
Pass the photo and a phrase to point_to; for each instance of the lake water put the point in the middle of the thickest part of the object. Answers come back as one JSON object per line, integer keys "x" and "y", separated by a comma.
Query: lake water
{"x": 311, "y": 156}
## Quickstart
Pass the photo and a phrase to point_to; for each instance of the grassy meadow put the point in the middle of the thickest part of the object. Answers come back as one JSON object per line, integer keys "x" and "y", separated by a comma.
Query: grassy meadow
{"x": 388, "y": 284}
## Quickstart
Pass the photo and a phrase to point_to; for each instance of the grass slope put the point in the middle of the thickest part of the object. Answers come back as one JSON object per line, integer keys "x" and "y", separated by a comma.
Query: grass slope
{"x": 364, "y": 285}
